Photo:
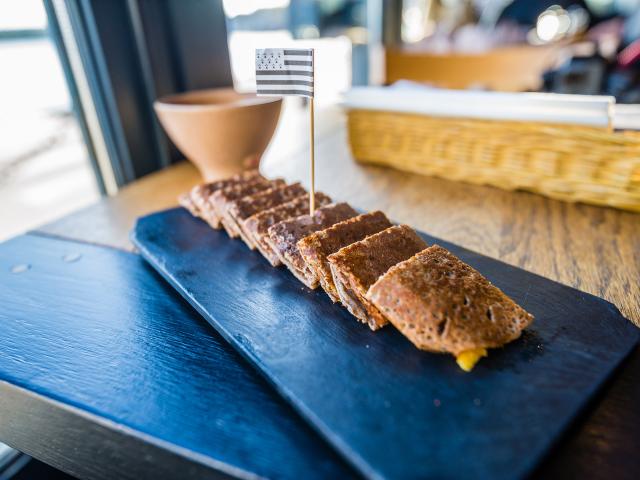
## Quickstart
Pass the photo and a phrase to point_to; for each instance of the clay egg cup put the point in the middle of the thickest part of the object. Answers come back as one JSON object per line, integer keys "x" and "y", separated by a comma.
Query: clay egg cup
{"x": 221, "y": 131}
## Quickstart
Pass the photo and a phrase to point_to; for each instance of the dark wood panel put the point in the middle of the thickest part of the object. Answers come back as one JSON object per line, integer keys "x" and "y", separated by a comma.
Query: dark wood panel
{"x": 393, "y": 411}
{"x": 106, "y": 373}
{"x": 86, "y": 446}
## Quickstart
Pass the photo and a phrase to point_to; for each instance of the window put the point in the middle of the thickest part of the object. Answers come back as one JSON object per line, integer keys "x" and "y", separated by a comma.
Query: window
{"x": 44, "y": 167}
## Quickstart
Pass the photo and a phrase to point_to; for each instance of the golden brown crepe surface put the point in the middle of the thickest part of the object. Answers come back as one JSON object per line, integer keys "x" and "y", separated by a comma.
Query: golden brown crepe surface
{"x": 442, "y": 304}
{"x": 221, "y": 199}
{"x": 284, "y": 236}
{"x": 197, "y": 200}
{"x": 356, "y": 267}
{"x": 316, "y": 247}
{"x": 258, "y": 224}
{"x": 241, "y": 209}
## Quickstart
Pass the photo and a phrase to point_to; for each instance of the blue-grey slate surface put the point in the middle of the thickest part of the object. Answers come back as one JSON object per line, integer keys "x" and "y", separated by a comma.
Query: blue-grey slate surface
{"x": 390, "y": 409}
{"x": 103, "y": 339}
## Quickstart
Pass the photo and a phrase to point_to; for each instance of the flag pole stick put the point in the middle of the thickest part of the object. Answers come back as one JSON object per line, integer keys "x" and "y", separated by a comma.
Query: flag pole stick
{"x": 312, "y": 192}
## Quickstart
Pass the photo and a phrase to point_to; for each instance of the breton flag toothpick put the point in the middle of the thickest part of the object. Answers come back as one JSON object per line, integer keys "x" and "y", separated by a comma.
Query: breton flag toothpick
{"x": 289, "y": 71}
{"x": 284, "y": 71}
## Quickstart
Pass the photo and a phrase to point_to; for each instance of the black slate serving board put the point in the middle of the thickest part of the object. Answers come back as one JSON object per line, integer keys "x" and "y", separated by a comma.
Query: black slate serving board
{"x": 390, "y": 409}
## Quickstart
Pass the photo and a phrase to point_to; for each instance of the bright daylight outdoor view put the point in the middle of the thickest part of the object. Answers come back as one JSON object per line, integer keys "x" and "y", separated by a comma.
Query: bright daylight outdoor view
{"x": 44, "y": 167}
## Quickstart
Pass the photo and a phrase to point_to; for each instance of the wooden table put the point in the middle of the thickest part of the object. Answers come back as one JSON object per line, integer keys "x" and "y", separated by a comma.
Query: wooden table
{"x": 591, "y": 248}
{"x": 594, "y": 249}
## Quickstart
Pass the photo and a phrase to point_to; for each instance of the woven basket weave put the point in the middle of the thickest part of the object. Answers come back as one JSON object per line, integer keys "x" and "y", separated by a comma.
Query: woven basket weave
{"x": 568, "y": 162}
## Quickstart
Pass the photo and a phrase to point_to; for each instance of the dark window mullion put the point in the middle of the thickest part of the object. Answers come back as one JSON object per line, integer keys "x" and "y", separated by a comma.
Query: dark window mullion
{"x": 146, "y": 72}
{"x": 99, "y": 84}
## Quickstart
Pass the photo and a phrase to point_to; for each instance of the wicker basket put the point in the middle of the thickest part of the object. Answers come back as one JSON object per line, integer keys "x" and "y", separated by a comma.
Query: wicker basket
{"x": 574, "y": 163}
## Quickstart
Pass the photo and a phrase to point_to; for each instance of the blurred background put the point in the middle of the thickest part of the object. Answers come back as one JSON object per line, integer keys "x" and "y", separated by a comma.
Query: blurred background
{"x": 68, "y": 125}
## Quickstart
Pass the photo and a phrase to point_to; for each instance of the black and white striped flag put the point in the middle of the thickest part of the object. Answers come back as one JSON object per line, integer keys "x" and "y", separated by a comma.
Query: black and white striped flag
{"x": 284, "y": 71}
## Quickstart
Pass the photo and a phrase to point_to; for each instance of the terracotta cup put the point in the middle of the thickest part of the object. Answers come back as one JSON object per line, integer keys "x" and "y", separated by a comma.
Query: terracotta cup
{"x": 221, "y": 131}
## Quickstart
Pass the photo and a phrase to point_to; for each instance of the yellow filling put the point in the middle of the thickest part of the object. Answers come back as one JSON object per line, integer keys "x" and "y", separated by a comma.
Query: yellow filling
{"x": 468, "y": 359}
